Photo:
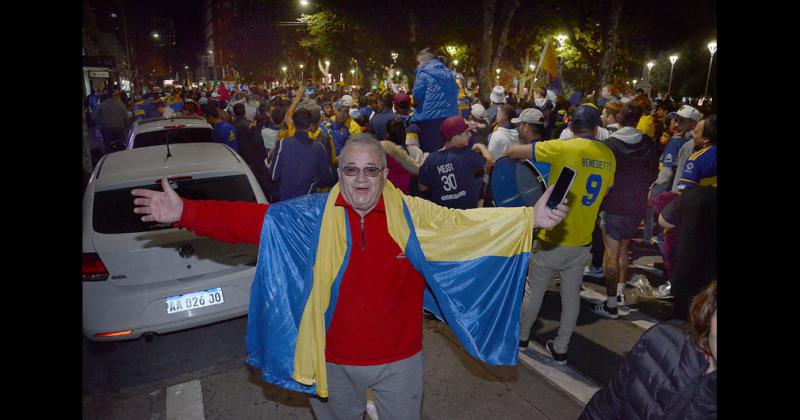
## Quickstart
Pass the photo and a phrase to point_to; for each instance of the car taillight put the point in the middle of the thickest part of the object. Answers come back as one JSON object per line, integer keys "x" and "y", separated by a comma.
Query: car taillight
{"x": 93, "y": 267}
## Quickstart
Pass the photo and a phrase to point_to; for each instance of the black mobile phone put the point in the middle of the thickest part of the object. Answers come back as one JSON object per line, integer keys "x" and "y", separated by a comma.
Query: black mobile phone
{"x": 563, "y": 184}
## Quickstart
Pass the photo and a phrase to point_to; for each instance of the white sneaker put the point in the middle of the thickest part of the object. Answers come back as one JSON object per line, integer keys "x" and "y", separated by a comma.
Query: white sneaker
{"x": 592, "y": 271}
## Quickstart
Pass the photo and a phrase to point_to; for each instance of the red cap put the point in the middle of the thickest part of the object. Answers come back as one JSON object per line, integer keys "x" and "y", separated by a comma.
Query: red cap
{"x": 454, "y": 126}
{"x": 402, "y": 100}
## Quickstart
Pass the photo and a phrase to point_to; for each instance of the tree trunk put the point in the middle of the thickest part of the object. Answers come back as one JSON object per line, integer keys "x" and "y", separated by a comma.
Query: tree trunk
{"x": 484, "y": 62}
{"x": 501, "y": 44}
{"x": 607, "y": 64}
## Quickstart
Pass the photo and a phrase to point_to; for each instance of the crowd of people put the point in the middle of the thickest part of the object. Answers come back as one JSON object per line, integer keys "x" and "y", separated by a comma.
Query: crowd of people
{"x": 646, "y": 169}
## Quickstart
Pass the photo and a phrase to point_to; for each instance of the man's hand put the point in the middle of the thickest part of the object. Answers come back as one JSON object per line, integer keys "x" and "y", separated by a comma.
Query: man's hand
{"x": 157, "y": 206}
{"x": 545, "y": 217}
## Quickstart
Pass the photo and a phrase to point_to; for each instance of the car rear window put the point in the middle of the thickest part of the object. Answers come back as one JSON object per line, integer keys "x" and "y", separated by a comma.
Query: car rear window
{"x": 113, "y": 209}
{"x": 174, "y": 135}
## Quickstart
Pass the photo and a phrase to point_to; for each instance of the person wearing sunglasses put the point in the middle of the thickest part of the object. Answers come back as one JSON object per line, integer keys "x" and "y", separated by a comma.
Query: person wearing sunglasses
{"x": 342, "y": 276}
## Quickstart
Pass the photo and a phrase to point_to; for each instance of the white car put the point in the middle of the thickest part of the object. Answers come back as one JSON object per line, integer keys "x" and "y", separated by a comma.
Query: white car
{"x": 144, "y": 278}
{"x": 155, "y": 131}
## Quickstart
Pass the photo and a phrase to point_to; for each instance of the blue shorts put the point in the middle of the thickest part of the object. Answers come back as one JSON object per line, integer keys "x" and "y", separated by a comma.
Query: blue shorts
{"x": 619, "y": 226}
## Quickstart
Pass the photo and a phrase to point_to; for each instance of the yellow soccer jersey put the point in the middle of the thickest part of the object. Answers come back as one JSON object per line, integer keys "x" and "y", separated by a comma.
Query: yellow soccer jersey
{"x": 595, "y": 164}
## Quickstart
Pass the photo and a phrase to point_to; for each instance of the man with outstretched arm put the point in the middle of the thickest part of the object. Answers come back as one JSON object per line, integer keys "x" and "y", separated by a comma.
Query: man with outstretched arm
{"x": 341, "y": 278}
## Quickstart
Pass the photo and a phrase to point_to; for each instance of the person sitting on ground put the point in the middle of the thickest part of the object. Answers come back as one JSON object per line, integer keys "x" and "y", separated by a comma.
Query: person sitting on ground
{"x": 671, "y": 372}
{"x": 455, "y": 173}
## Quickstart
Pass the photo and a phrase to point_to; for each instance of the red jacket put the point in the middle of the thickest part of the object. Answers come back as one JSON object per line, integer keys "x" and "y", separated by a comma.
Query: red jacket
{"x": 378, "y": 316}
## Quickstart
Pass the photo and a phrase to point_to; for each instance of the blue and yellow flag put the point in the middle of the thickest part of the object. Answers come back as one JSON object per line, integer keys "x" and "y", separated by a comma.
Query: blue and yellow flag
{"x": 474, "y": 263}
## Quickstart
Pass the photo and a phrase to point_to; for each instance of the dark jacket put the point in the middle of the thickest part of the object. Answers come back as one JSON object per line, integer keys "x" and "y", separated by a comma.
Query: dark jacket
{"x": 663, "y": 375}
{"x": 435, "y": 92}
{"x": 637, "y": 167}
{"x": 299, "y": 166}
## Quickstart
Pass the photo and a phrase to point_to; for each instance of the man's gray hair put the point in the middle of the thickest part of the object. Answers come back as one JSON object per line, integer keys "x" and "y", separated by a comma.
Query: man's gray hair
{"x": 363, "y": 139}
{"x": 424, "y": 56}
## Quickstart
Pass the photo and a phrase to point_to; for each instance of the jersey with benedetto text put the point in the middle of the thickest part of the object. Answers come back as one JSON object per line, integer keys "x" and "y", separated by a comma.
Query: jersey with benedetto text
{"x": 594, "y": 163}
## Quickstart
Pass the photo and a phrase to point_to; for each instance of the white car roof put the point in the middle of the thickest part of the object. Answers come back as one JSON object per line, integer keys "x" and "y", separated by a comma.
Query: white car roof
{"x": 158, "y": 123}
{"x": 129, "y": 167}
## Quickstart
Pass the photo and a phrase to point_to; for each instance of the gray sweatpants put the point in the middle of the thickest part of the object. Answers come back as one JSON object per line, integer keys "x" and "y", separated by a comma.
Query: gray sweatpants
{"x": 568, "y": 262}
{"x": 397, "y": 387}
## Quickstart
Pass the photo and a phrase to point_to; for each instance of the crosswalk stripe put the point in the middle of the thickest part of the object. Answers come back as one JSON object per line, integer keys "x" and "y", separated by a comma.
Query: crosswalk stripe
{"x": 578, "y": 385}
{"x": 185, "y": 401}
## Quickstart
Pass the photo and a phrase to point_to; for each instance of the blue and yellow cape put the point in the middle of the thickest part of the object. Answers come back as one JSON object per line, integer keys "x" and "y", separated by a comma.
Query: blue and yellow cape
{"x": 474, "y": 263}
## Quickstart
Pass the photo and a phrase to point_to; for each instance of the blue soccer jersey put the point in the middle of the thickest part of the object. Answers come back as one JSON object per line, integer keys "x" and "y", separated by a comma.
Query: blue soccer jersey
{"x": 454, "y": 176}
{"x": 700, "y": 169}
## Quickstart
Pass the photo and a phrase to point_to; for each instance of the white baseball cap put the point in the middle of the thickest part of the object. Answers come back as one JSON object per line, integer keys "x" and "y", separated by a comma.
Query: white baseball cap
{"x": 687, "y": 111}
{"x": 530, "y": 116}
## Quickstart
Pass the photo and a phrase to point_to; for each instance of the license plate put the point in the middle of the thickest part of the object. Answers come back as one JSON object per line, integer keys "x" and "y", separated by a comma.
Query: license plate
{"x": 194, "y": 300}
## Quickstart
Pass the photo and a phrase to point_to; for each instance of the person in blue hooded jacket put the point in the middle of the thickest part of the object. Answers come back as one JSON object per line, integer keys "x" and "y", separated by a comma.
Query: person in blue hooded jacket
{"x": 435, "y": 95}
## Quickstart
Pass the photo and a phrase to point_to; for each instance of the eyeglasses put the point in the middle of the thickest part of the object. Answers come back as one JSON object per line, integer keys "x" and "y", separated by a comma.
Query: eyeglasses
{"x": 369, "y": 171}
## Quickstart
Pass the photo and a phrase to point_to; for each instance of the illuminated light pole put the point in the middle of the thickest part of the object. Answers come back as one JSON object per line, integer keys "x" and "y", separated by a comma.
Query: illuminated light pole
{"x": 712, "y": 48}
{"x": 301, "y": 72}
{"x": 353, "y": 74}
{"x": 634, "y": 83}
{"x": 304, "y": 3}
{"x": 498, "y": 75}
{"x": 284, "y": 73}
{"x": 672, "y": 60}
{"x": 650, "y": 66}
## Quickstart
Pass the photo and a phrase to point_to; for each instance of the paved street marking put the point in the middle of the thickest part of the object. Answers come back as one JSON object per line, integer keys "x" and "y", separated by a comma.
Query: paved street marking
{"x": 185, "y": 401}
{"x": 633, "y": 315}
{"x": 576, "y": 384}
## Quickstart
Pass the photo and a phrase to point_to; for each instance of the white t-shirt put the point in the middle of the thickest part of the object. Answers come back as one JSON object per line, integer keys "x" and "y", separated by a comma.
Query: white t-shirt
{"x": 500, "y": 139}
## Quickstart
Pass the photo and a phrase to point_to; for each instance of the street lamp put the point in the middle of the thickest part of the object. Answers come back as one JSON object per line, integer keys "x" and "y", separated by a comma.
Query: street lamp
{"x": 498, "y": 74}
{"x": 634, "y": 83}
{"x": 672, "y": 60}
{"x": 561, "y": 38}
{"x": 284, "y": 73}
{"x": 304, "y": 3}
{"x": 455, "y": 64}
{"x": 155, "y": 35}
{"x": 649, "y": 67}
{"x": 532, "y": 67}
{"x": 712, "y": 48}
{"x": 301, "y": 72}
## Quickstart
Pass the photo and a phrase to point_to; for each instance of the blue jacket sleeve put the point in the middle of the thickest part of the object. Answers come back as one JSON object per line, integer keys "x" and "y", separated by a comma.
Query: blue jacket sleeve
{"x": 419, "y": 91}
